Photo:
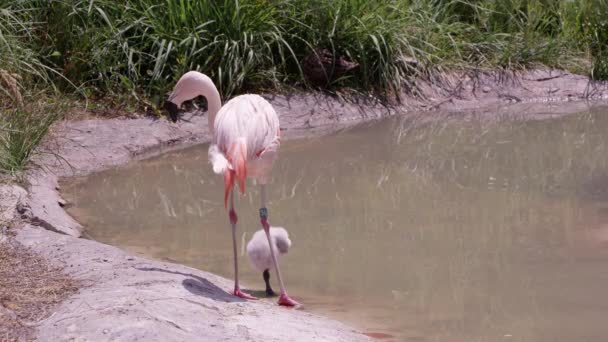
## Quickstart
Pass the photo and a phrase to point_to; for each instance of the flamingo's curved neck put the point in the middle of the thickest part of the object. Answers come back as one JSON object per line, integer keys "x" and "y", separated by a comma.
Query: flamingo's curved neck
{"x": 214, "y": 104}
{"x": 193, "y": 84}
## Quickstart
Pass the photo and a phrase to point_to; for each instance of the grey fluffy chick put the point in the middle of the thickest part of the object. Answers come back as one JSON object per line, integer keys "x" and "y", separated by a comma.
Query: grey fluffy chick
{"x": 258, "y": 251}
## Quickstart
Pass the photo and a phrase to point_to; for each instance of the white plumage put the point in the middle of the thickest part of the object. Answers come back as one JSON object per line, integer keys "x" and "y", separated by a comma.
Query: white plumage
{"x": 249, "y": 125}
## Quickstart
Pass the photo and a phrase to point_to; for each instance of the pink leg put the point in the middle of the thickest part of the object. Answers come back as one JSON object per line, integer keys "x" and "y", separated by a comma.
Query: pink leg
{"x": 284, "y": 298}
{"x": 233, "y": 221}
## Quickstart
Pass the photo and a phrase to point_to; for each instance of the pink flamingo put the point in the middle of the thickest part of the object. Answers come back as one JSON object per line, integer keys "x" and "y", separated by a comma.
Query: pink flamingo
{"x": 246, "y": 139}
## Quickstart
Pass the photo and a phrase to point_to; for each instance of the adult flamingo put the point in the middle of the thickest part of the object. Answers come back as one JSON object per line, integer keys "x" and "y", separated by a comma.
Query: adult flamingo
{"x": 246, "y": 139}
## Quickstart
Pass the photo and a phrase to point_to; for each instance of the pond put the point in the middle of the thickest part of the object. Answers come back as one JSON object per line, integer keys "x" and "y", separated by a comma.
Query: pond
{"x": 458, "y": 229}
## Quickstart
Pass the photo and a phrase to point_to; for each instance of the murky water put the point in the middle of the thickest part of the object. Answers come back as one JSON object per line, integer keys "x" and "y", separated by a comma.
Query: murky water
{"x": 458, "y": 230}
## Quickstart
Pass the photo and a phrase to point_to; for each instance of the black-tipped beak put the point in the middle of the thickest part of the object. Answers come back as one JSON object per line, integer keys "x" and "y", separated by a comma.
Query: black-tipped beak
{"x": 173, "y": 110}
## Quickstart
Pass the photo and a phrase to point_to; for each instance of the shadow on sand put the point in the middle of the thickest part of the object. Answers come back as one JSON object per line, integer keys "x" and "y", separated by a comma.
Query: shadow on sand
{"x": 198, "y": 286}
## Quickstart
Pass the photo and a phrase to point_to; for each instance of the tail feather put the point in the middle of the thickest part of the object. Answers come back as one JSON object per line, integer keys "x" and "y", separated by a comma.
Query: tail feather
{"x": 238, "y": 158}
{"x": 236, "y": 167}
{"x": 228, "y": 184}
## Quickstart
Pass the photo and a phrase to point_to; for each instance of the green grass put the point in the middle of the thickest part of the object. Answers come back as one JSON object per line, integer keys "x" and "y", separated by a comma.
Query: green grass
{"x": 593, "y": 22}
{"x": 21, "y": 131}
{"x": 20, "y": 63}
{"x": 26, "y": 112}
{"x": 139, "y": 47}
{"x": 133, "y": 51}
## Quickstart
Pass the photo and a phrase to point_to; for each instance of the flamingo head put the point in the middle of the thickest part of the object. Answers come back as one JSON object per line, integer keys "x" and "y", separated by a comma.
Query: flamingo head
{"x": 281, "y": 238}
{"x": 173, "y": 109}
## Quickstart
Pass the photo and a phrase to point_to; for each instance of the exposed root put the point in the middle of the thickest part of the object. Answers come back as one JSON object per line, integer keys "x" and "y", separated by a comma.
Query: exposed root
{"x": 29, "y": 288}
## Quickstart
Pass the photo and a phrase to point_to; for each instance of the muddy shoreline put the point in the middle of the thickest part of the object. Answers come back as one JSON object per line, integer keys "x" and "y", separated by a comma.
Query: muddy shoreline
{"x": 126, "y": 297}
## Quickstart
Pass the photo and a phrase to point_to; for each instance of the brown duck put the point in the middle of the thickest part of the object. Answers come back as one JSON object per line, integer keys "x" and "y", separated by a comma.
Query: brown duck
{"x": 320, "y": 67}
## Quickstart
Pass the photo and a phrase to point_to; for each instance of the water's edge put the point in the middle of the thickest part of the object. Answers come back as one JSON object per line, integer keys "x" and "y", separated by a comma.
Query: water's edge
{"x": 116, "y": 277}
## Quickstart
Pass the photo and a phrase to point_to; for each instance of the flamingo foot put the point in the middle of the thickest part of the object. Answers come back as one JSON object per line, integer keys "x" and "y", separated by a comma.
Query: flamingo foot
{"x": 285, "y": 300}
{"x": 241, "y": 294}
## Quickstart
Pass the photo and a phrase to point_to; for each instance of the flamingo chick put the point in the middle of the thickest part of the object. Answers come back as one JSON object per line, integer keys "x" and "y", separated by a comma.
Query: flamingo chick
{"x": 245, "y": 142}
{"x": 259, "y": 252}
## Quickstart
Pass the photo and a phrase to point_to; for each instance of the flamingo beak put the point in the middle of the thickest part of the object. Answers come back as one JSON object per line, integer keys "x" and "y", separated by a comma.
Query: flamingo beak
{"x": 173, "y": 110}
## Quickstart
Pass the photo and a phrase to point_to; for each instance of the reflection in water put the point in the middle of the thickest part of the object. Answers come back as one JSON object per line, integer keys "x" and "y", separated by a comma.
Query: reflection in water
{"x": 459, "y": 230}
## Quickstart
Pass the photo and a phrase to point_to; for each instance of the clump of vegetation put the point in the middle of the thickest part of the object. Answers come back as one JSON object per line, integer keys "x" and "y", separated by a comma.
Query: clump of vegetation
{"x": 20, "y": 63}
{"x": 593, "y": 22}
{"x": 22, "y": 130}
{"x": 29, "y": 288}
{"x": 133, "y": 51}
{"x": 26, "y": 112}
{"x": 139, "y": 47}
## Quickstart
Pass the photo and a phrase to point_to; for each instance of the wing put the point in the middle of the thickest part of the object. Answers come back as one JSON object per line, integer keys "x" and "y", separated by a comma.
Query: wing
{"x": 250, "y": 117}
